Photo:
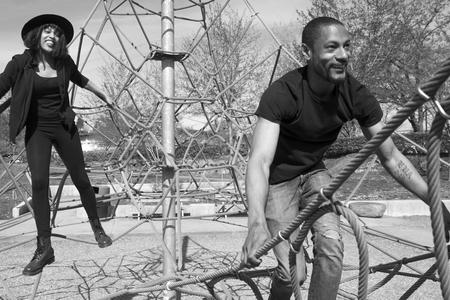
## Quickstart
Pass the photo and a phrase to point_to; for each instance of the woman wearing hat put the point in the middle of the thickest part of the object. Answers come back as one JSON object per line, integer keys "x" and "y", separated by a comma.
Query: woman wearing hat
{"x": 38, "y": 80}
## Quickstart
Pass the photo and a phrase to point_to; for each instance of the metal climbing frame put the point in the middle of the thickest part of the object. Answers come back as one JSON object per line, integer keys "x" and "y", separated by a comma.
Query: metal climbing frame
{"x": 308, "y": 215}
{"x": 140, "y": 155}
{"x": 190, "y": 173}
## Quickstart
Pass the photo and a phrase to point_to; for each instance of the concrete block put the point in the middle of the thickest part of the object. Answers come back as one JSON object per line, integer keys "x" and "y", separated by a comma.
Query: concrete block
{"x": 20, "y": 209}
{"x": 129, "y": 210}
{"x": 126, "y": 210}
{"x": 368, "y": 209}
{"x": 104, "y": 209}
{"x": 405, "y": 207}
{"x": 200, "y": 209}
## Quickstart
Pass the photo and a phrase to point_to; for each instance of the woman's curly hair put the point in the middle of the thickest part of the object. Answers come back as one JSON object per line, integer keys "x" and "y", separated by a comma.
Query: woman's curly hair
{"x": 32, "y": 41}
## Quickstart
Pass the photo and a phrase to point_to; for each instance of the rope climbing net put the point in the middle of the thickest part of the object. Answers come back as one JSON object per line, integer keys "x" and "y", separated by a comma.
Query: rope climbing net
{"x": 220, "y": 96}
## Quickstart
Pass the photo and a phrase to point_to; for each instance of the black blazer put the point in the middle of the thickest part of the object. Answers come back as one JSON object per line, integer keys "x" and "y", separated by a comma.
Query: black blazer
{"x": 18, "y": 76}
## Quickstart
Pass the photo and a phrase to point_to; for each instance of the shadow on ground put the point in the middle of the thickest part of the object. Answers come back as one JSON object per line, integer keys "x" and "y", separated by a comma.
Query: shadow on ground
{"x": 83, "y": 271}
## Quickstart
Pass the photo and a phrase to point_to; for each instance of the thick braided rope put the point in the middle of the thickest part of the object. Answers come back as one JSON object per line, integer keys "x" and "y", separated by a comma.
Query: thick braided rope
{"x": 284, "y": 234}
{"x": 360, "y": 239}
{"x": 362, "y": 249}
{"x": 434, "y": 201}
{"x": 429, "y": 87}
{"x": 295, "y": 247}
{"x": 304, "y": 214}
{"x": 136, "y": 290}
{"x": 241, "y": 276}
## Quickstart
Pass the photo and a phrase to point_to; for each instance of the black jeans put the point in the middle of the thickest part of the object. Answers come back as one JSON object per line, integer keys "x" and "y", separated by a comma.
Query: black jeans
{"x": 38, "y": 143}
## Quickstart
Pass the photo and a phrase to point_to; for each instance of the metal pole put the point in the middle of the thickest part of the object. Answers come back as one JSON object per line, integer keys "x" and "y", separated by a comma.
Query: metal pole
{"x": 168, "y": 139}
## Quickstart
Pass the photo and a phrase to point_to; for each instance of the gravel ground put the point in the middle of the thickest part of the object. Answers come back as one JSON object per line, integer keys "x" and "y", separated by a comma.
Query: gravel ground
{"x": 83, "y": 271}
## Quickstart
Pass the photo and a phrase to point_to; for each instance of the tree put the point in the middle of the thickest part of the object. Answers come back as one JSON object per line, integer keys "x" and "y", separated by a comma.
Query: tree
{"x": 131, "y": 94}
{"x": 225, "y": 65}
{"x": 396, "y": 43}
{"x": 228, "y": 51}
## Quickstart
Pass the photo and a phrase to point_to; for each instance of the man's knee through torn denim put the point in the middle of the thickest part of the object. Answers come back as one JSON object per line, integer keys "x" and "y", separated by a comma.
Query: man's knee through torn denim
{"x": 284, "y": 202}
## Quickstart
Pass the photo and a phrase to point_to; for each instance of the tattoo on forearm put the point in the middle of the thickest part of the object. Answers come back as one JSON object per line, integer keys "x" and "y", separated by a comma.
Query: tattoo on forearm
{"x": 403, "y": 171}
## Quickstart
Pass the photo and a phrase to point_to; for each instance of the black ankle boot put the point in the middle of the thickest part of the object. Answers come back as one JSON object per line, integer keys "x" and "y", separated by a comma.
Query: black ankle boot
{"x": 43, "y": 255}
{"x": 103, "y": 240}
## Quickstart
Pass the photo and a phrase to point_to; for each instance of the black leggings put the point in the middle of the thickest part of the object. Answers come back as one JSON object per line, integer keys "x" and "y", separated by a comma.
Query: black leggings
{"x": 38, "y": 143}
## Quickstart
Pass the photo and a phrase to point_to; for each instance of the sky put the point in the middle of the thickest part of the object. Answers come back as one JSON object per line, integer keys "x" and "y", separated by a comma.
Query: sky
{"x": 16, "y": 12}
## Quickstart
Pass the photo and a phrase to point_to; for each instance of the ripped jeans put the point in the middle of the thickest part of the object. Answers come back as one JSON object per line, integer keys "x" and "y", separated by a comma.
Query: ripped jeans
{"x": 284, "y": 202}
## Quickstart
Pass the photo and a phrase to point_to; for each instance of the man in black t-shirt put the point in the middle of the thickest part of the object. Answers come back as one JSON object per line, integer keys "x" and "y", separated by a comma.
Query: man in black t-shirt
{"x": 299, "y": 117}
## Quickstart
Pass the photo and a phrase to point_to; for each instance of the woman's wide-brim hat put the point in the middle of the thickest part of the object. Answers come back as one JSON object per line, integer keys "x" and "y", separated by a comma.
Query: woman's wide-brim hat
{"x": 62, "y": 22}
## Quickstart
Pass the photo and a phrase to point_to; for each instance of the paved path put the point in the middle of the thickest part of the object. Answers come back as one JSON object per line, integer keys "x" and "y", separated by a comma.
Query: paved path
{"x": 67, "y": 223}
{"x": 83, "y": 271}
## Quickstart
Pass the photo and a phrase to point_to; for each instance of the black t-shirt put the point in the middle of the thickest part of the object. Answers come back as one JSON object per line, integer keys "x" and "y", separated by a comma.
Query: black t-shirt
{"x": 308, "y": 125}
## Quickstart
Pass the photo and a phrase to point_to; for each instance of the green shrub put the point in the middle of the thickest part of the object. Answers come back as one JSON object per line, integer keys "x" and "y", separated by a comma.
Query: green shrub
{"x": 344, "y": 146}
